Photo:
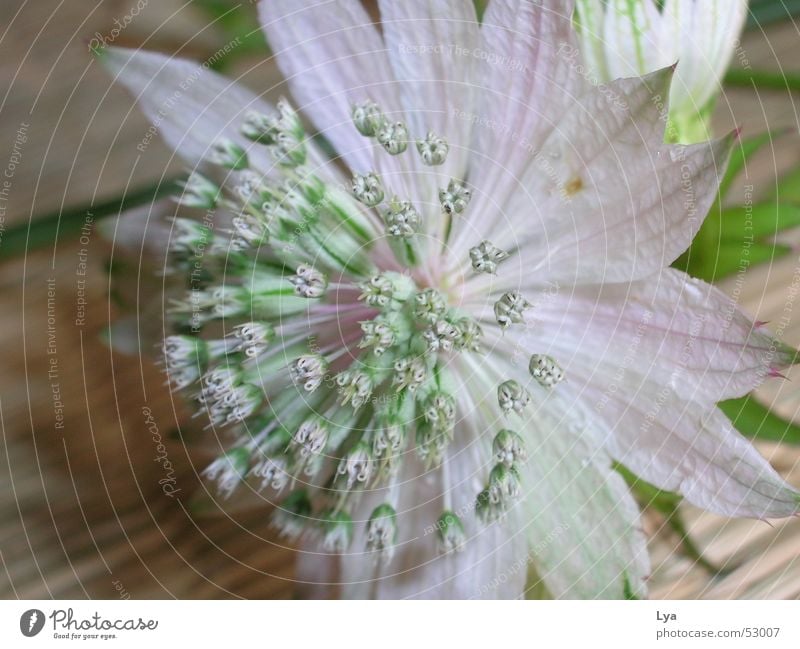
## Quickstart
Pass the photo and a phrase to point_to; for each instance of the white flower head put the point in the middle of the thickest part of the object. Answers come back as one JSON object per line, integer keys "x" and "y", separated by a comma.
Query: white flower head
{"x": 381, "y": 354}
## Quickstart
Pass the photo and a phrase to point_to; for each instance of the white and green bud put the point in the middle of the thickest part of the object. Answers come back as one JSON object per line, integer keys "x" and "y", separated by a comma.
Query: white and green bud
{"x": 512, "y": 397}
{"x": 309, "y": 371}
{"x": 226, "y": 153}
{"x": 470, "y": 335}
{"x": 442, "y": 335}
{"x": 249, "y": 231}
{"x": 289, "y": 140}
{"x": 189, "y": 236}
{"x": 228, "y": 470}
{"x": 182, "y": 377}
{"x": 293, "y": 516}
{"x": 450, "y": 531}
{"x": 486, "y": 256}
{"x": 368, "y": 118}
{"x": 509, "y": 309}
{"x": 500, "y": 494}
{"x": 337, "y": 530}
{"x": 508, "y": 448}
{"x": 386, "y": 289}
{"x": 431, "y": 443}
{"x": 382, "y": 531}
{"x": 368, "y": 189}
{"x": 355, "y": 387}
{"x": 229, "y": 301}
{"x": 545, "y": 370}
{"x": 309, "y": 282}
{"x": 455, "y": 198}
{"x": 251, "y": 188}
{"x": 378, "y": 334}
{"x": 258, "y": 127}
{"x": 401, "y": 219}
{"x": 433, "y": 149}
{"x": 198, "y": 191}
{"x": 236, "y": 406}
{"x": 429, "y": 305}
{"x": 376, "y": 291}
{"x": 183, "y": 351}
{"x": 393, "y": 137}
{"x": 356, "y": 467}
{"x": 253, "y": 338}
{"x": 273, "y": 472}
{"x": 311, "y": 437}
{"x": 283, "y": 132}
{"x": 219, "y": 382}
{"x": 439, "y": 411}
{"x": 504, "y": 485}
{"x": 409, "y": 372}
{"x": 388, "y": 442}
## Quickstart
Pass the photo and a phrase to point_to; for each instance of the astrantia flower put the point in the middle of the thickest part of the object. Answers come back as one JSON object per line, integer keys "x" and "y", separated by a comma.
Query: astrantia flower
{"x": 624, "y": 38}
{"x": 432, "y": 351}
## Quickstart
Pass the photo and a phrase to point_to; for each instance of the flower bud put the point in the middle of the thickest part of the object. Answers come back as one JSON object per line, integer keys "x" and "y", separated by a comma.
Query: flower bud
{"x": 545, "y": 370}
{"x": 433, "y": 149}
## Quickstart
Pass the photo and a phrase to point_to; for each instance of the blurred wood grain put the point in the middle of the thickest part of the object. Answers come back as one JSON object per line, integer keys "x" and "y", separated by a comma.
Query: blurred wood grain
{"x": 82, "y": 513}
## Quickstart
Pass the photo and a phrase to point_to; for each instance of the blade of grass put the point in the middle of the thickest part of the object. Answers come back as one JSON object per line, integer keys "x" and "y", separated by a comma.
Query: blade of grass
{"x": 43, "y": 231}
{"x": 762, "y": 79}
{"x": 756, "y": 421}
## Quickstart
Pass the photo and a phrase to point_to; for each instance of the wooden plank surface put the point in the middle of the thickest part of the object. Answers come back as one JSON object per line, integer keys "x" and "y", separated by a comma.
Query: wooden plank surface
{"x": 82, "y": 513}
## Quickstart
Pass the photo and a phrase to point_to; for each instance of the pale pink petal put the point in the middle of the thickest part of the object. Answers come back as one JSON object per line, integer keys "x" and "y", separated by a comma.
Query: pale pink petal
{"x": 672, "y": 329}
{"x": 332, "y": 56}
{"x": 189, "y": 105}
{"x": 583, "y": 524}
{"x": 681, "y": 446}
{"x": 604, "y": 200}
{"x": 527, "y": 81}
{"x": 434, "y": 51}
{"x": 492, "y": 565}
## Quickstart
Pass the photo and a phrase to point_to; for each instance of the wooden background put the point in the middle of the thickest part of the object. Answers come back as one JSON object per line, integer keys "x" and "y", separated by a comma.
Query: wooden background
{"x": 81, "y": 510}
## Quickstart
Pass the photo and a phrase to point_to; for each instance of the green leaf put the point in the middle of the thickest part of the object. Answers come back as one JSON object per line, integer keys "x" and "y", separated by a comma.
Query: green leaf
{"x": 788, "y": 189}
{"x": 480, "y": 8}
{"x": 240, "y": 24}
{"x": 756, "y": 421}
{"x": 763, "y": 12}
{"x": 46, "y": 230}
{"x": 627, "y": 591}
{"x": 741, "y": 154}
{"x": 763, "y": 80}
{"x": 759, "y": 221}
{"x": 729, "y": 258}
{"x": 667, "y": 504}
